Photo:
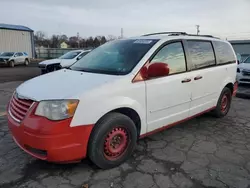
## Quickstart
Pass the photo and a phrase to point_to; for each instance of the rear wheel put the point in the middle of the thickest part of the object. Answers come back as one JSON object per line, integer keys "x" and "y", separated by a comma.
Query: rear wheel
{"x": 11, "y": 63}
{"x": 26, "y": 62}
{"x": 112, "y": 141}
{"x": 224, "y": 103}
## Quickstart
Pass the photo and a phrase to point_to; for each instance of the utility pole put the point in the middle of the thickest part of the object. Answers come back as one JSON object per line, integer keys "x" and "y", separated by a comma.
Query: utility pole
{"x": 121, "y": 32}
{"x": 198, "y": 29}
{"x": 78, "y": 39}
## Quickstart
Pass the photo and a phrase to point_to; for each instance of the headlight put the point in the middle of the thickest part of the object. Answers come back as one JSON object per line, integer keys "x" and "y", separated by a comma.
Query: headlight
{"x": 57, "y": 109}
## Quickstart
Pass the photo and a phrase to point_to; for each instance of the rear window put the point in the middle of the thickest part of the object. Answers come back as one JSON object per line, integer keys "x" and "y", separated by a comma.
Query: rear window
{"x": 224, "y": 52}
{"x": 202, "y": 54}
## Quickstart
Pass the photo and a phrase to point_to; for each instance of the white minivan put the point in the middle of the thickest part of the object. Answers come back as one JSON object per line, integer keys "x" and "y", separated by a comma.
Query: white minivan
{"x": 122, "y": 91}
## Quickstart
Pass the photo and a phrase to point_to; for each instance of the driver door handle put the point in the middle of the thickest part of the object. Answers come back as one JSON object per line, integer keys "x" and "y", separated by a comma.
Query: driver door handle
{"x": 197, "y": 77}
{"x": 186, "y": 80}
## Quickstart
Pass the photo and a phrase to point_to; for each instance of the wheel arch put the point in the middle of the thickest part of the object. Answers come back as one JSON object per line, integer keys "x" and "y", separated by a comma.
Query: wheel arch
{"x": 230, "y": 85}
{"x": 129, "y": 112}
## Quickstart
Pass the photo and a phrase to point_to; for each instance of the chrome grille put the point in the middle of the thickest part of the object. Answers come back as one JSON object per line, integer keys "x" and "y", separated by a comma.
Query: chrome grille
{"x": 19, "y": 107}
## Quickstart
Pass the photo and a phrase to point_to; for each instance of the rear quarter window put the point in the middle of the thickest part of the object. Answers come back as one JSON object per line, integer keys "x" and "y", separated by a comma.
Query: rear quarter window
{"x": 224, "y": 52}
{"x": 201, "y": 53}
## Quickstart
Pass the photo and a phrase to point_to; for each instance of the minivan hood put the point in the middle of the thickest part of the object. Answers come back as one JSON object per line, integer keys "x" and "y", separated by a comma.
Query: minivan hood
{"x": 244, "y": 66}
{"x": 62, "y": 84}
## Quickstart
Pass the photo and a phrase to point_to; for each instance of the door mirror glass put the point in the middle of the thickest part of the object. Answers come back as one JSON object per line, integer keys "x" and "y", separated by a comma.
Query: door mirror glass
{"x": 158, "y": 69}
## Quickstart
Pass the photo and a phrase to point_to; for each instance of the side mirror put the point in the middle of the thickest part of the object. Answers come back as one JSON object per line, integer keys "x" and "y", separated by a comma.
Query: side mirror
{"x": 158, "y": 70}
{"x": 238, "y": 62}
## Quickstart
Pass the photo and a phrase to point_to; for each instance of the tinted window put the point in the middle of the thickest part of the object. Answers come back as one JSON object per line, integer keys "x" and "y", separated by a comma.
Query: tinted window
{"x": 118, "y": 57}
{"x": 20, "y": 54}
{"x": 224, "y": 52}
{"x": 173, "y": 55}
{"x": 202, "y": 54}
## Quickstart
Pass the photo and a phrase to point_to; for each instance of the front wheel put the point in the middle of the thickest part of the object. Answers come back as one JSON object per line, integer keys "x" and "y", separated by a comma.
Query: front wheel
{"x": 224, "y": 103}
{"x": 112, "y": 141}
{"x": 11, "y": 63}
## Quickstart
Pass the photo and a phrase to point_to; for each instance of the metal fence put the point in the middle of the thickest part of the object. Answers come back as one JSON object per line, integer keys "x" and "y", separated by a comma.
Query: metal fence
{"x": 51, "y": 53}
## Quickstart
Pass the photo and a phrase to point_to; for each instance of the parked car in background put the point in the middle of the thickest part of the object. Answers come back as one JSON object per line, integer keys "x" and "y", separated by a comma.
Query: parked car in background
{"x": 14, "y": 58}
{"x": 243, "y": 72}
{"x": 62, "y": 62}
{"x": 122, "y": 91}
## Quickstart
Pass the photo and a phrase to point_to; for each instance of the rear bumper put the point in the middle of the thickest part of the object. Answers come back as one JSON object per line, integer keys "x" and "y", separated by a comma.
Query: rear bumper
{"x": 51, "y": 141}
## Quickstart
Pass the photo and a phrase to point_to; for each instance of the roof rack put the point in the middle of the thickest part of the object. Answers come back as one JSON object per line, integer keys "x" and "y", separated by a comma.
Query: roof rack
{"x": 179, "y": 33}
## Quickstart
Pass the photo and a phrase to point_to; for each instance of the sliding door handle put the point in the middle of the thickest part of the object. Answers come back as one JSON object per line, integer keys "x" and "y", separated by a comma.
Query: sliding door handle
{"x": 197, "y": 77}
{"x": 186, "y": 80}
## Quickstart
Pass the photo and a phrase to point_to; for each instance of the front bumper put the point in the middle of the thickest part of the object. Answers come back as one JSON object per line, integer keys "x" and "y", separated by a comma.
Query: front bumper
{"x": 243, "y": 79}
{"x": 49, "y": 68}
{"x": 53, "y": 141}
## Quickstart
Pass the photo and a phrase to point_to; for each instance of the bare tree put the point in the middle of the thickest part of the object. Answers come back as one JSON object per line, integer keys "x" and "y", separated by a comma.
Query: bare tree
{"x": 111, "y": 37}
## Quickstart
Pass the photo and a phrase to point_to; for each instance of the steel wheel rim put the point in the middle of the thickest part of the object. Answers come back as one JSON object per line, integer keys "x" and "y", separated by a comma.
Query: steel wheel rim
{"x": 116, "y": 143}
{"x": 224, "y": 103}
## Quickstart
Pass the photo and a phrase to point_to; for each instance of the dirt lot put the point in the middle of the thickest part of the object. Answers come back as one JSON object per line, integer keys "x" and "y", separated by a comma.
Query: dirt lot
{"x": 203, "y": 152}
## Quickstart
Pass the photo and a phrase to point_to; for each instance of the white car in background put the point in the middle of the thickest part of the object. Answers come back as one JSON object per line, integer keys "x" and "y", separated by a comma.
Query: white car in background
{"x": 64, "y": 61}
{"x": 243, "y": 72}
{"x": 14, "y": 58}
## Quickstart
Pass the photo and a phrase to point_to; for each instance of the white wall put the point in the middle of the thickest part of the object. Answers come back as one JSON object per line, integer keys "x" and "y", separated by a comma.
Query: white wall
{"x": 15, "y": 41}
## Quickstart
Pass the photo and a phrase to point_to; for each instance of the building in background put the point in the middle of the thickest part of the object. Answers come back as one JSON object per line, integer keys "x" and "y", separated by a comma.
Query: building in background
{"x": 241, "y": 47}
{"x": 64, "y": 45}
{"x": 17, "y": 38}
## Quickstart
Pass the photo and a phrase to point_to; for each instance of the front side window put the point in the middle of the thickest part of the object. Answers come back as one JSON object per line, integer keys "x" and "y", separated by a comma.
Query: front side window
{"x": 173, "y": 55}
{"x": 116, "y": 58}
{"x": 82, "y": 55}
{"x": 224, "y": 53}
{"x": 70, "y": 55}
{"x": 247, "y": 60}
{"x": 19, "y": 54}
{"x": 202, "y": 54}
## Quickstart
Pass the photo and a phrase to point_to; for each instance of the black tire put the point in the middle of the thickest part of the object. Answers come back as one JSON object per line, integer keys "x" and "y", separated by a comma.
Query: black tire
{"x": 26, "y": 62}
{"x": 100, "y": 140}
{"x": 223, "y": 107}
{"x": 11, "y": 64}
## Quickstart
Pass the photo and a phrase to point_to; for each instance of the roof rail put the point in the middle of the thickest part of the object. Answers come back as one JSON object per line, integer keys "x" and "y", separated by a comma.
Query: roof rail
{"x": 194, "y": 35}
{"x": 163, "y": 33}
{"x": 179, "y": 33}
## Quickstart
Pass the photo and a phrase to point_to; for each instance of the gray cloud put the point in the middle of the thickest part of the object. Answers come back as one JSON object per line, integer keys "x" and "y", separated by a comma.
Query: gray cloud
{"x": 135, "y": 16}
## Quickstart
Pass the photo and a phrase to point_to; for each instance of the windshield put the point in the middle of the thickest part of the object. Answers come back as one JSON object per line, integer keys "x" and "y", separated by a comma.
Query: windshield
{"x": 117, "y": 57}
{"x": 247, "y": 60}
{"x": 8, "y": 54}
{"x": 70, "y": 55}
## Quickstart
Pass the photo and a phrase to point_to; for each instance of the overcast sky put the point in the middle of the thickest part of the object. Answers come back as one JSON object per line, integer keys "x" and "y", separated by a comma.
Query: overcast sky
{"x": 103, "y": 17}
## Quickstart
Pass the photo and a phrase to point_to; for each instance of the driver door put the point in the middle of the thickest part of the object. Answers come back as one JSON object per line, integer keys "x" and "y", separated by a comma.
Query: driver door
{"x": 169, "y": 97}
